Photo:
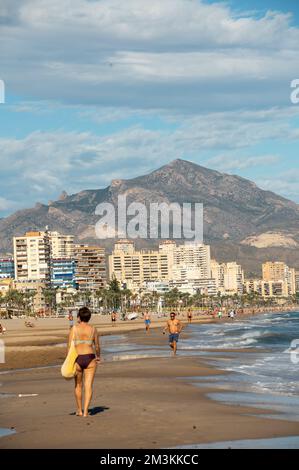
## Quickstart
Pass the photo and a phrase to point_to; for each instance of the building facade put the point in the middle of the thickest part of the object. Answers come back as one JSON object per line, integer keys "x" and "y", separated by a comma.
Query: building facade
{"x": 267, "y": 289}
{"x": 7, "y": 267}
{"x": 279, "y": 271}
{"x": 62, "y": 246}
{"x": 229, "y": 277}
{"x": 134, "y": 268}
{"x": 63, "y": 273}
{"x": 37, "y": 288}
{"x": 32, "y": 257}
{"x": 90, "y": 267}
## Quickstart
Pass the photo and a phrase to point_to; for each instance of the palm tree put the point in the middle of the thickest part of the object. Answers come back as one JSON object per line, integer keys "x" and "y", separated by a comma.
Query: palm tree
{"x": 50, "y": 298}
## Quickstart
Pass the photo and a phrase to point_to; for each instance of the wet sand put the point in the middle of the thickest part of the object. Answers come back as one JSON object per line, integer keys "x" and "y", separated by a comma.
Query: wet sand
{"x": 45, "y": 344}
{"x": 136, "y": 404}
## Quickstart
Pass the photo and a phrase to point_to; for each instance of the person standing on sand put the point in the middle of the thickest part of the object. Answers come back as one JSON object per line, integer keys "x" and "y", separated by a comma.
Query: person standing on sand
{"x": 86, "y": 340}
{"x": 113, "y": 318}
{"x": 174, "y": 328}
{"x": 189, "y": 315}
{"x": 147, "y": 321}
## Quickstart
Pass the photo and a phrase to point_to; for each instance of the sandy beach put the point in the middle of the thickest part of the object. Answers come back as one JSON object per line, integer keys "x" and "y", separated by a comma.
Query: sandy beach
{"x": 45, "y": 344}
{"x": 138, "y": 403}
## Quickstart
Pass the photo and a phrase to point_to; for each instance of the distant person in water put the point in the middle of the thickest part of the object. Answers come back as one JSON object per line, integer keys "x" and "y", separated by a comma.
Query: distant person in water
{"x": 86, "y": 340}
{"x": 147, "y": 321}
{"x": 189, "y": 315}
{"x": 113, "y": 318}
{"x": 174, "y": 328}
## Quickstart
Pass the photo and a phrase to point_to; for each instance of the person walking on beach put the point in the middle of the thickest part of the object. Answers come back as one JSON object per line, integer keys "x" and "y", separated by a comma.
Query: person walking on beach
{"x": 174, "y": 328}
{"x": 189, "y": 315}
{"x": 86, "y": 340}
{"x": 147, "y": 321}
{"x": 71, "y": 320}
{"x": 113, "y": 318}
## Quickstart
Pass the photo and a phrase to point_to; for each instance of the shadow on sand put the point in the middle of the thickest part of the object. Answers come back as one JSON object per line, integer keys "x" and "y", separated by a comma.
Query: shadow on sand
{"x": 94, "y": 411}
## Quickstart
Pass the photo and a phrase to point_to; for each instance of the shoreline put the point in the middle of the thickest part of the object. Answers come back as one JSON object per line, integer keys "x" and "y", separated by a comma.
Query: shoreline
{"x": 46, "y": 343}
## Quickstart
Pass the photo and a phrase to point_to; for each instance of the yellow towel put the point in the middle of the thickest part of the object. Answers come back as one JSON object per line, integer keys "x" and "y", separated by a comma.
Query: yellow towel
{"x": 68, "y": 368}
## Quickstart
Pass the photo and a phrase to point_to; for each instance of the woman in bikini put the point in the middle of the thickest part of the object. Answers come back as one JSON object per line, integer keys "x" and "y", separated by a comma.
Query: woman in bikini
{"x": 87, "y": 343}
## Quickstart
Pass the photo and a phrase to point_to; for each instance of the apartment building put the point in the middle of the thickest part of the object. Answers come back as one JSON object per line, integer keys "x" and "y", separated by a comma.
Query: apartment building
{"x": 90, "y": 267}
{"x": 279, "y": 271}
{"x": 134, "y": 268}
{"x": 229, "y": 277}
{"x": 63, "y": 273}
{"x": 170, "y": 262}
{"x": 267, "y": 289}
{"x": 7, "y": 267}
{"x": 32, "y": 257}
{"x": 188, "y": 261}
{"x": 62, "y": 246}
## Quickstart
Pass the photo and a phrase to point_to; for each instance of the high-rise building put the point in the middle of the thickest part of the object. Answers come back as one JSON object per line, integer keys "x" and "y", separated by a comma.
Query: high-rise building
{"x": 34, "y": 252}
{"x": 62, "y": 246}
{"x": 63, "y": 273}
{"x": 274, "y": 271}
{"x": 297, "y": 281}
{"x": 229, "y": 277}
{"x": 32, "y": 257}
{"x": 189, "y": 261}
{"x": 7, "y": 267}
{"x": 279, "y": 271}
{"x": 90, "y": 267}
{"x": 170, "y": 262}
{"x": 134, "y": 268}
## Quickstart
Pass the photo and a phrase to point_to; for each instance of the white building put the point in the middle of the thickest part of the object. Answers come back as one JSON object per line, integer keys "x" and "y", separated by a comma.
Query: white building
{"x": 62, "y": 246}
{"x": 32, "y": 257}
{"x": 229, "y": 277}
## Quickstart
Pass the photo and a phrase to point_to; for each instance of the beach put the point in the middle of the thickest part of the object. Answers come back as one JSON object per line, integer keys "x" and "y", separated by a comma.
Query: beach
{"x": 139, "y": 402}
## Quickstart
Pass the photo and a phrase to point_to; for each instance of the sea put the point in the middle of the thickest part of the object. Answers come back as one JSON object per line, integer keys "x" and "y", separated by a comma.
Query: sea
{"x": 259, "y": 357}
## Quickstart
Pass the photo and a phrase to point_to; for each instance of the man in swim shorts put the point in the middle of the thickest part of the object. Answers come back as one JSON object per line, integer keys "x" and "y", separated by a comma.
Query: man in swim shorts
{"x": 113, "y": 317}
{"x": 174, "y": 328}
{"x": 147, "y": 321}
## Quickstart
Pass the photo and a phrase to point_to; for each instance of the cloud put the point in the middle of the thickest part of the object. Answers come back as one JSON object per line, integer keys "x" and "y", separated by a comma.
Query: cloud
{"x": 42, "y": 164}
{"x": 285, "y": 183}
{"x": 7, "y": 205}
{"x": 183, "y": 55}
{"x": 230, "y": 163}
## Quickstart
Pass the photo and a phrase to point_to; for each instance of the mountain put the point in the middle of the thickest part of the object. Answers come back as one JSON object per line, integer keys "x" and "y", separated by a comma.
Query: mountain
{"x": 241, "y": 221}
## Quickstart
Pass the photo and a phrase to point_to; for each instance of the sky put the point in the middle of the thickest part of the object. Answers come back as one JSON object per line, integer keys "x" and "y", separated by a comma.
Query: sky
{"x": 97, "y": 90}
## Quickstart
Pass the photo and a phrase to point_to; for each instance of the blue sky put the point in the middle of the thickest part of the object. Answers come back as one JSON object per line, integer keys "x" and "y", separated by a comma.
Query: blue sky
{"x": 104, "y": 89}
